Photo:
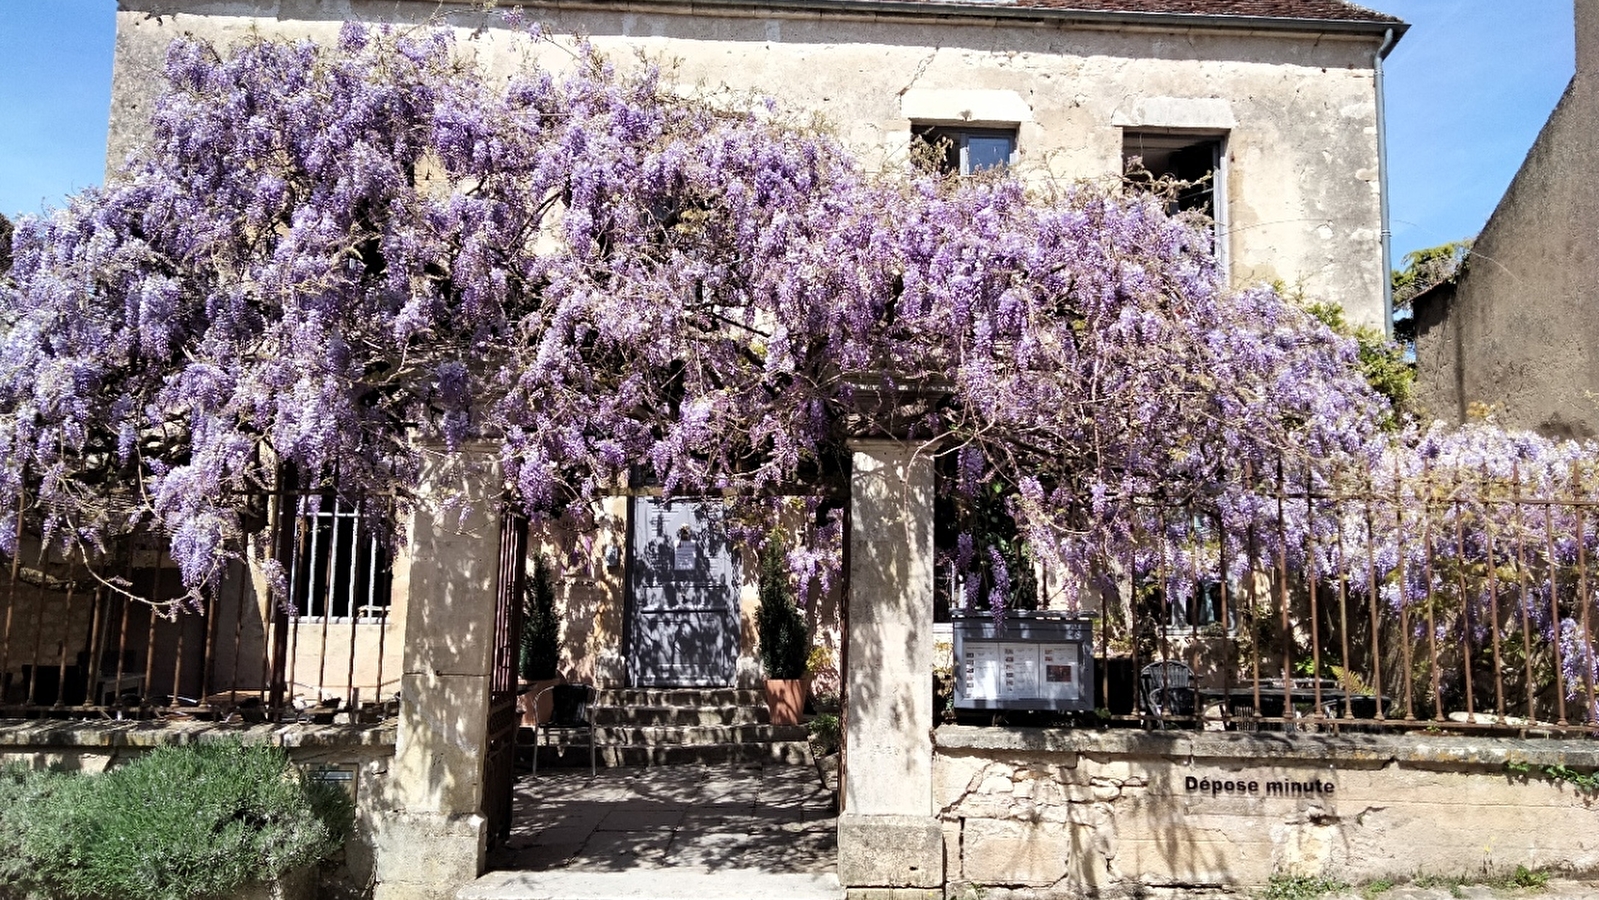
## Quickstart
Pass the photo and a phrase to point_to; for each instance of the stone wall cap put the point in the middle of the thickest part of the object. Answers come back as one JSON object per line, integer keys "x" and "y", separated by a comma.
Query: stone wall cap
{"x": 56, "y": 733}
{"x": 1413, "y": 748}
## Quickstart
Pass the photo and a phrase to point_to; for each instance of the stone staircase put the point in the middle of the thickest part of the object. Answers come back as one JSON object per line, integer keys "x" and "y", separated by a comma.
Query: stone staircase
{"x": 680, "y": 726}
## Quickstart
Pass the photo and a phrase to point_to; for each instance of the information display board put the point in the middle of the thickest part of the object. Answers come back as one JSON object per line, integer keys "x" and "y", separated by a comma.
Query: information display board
{"x": 1030, "y": 660}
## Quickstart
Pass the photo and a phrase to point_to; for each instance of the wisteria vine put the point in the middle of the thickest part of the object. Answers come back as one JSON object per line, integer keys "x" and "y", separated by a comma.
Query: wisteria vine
{"x": 332, "y": 261}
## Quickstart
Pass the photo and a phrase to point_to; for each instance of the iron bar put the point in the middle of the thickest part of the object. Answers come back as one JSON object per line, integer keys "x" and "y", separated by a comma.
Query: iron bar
{"x": 1465, "y": 610}
{"x": 1372, "y": 595}
{"x": 1521, "y": 584}
{"x": 1432, "y": 596}
{"x": 1554, "y": 614}
{"x": 1407, "y": 638}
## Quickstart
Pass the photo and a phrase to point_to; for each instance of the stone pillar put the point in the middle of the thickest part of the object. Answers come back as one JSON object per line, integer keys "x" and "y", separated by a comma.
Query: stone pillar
{"x": 431, "y": 838}
{"x": 888, "y": 836}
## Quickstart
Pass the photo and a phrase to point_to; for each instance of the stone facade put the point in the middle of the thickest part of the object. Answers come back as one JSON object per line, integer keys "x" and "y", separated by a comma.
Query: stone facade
{"x": 1516, "y": 333}
{"x": 1036, "y": 814}
{"x": 1295, "y": 106}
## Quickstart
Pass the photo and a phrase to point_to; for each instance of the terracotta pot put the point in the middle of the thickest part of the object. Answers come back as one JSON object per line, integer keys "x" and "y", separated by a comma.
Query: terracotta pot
{"x": 531, "y": 715}
{"x": 785, "y": 698}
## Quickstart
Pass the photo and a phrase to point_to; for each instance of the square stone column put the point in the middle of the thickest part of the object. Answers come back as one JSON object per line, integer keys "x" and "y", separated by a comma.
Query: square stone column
{"x": 432, "y": 837}
{"x": 888, "y": 835}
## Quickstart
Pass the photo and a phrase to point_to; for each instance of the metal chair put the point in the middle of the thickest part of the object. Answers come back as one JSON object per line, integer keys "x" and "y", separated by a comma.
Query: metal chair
{"x": 571, "y": 710}
{"x": 1167, "y": 689}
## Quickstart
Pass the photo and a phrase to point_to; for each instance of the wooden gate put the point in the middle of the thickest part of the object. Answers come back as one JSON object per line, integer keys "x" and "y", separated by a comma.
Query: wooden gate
{"x": 499, "y": 766}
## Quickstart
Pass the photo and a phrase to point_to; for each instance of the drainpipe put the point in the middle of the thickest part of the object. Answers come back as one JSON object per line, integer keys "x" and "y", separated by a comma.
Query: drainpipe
{"x": 1382, "y": 189}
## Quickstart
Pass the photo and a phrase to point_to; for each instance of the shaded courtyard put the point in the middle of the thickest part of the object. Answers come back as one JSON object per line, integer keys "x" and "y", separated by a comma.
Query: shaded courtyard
{"x": 778, "y": 819}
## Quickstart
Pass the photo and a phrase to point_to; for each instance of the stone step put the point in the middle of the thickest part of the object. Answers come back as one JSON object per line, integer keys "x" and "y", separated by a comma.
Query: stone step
{"x": 643, "y": 716}
{"x": 702, "y": 697}
{"x": 678, "y": 883}
{"x": 698, "y": 734}
{"x": 797, "y": 753}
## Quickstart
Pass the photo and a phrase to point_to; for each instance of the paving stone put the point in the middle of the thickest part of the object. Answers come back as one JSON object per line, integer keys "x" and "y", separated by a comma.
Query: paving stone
{"x": 774, "y": 818}
{"x": 652, "y": 819}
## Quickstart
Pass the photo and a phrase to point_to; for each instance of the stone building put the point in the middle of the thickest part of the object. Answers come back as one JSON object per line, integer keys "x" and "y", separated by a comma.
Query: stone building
{"x": 1515, "y": 332}
{"x": 1273, "y": 106}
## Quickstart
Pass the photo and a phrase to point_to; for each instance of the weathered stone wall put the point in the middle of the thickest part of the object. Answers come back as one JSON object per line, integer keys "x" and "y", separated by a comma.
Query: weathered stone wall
{"x": 1518, "y": 332}
{"x": 1032, "y": 813}
{"x": 1298, "y": 109}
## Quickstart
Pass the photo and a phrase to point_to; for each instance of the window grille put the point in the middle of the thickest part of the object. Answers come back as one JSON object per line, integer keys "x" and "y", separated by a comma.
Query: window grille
{"x": 341, "y": 572}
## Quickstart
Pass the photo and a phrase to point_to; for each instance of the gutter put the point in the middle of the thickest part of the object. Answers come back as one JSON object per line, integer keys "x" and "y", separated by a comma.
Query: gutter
{"x": 1388, "y": 41}
{"x": 921, "y": 9}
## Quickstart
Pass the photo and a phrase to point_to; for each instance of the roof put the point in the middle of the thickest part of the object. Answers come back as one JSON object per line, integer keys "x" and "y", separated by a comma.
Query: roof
{"x": 1323, "y": 10}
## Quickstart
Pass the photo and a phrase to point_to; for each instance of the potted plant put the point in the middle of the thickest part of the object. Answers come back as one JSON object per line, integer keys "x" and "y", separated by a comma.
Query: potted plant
{"x": 822, "y": 680}
{"x": 539, "y": 645}
{"x": 785, "y": 643}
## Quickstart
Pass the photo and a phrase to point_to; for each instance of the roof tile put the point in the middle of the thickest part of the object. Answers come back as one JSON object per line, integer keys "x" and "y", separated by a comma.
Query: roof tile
{"x": 1325, "y": 10}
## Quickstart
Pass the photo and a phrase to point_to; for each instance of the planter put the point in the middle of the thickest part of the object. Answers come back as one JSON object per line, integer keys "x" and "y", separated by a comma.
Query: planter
{"x": 785, "y": 699}
{"x": 533, "y": 716}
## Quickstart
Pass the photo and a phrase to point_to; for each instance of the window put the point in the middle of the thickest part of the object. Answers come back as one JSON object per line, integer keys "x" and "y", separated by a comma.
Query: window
{"x": 1203, "y": 608}
{"x": 1197, "y": 161}
{"x": 965, "y": 150}
{"x": 340, "y": 571}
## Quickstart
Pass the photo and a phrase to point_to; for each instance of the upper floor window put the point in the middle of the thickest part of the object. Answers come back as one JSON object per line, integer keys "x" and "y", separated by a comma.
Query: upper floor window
{"x": 1197, "y": 163}
{"x": 965, "y": 151}
{"x": 340, "y": 571}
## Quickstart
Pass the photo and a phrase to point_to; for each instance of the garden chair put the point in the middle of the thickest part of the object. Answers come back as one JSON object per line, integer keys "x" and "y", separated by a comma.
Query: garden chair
{"x": 1167, "y": 689}
{"x": 571, "y": 712}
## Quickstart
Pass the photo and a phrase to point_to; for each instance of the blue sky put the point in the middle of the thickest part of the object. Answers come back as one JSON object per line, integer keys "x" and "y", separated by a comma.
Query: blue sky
{"x": 1468, "y": 89}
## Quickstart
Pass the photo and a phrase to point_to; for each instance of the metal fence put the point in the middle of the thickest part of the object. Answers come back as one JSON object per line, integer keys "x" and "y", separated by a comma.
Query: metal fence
{"x": 124, "y": 642}
{"x": 1450, "y": 601}
{"x": 1446, "y": 601}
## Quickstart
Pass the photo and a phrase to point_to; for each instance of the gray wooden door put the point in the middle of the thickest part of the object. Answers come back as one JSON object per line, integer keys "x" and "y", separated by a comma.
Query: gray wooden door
{"x": 683, "y": 579}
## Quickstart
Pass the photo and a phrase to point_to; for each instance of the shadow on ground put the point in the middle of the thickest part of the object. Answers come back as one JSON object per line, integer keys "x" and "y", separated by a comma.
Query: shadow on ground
{"x": 777, "y": 819}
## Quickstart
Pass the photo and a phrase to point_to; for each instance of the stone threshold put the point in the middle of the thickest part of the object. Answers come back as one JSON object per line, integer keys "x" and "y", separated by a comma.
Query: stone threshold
{"x": 653, "y": 884}
{"x": 60, "y": 733}
{"x": 1415, "y": 748}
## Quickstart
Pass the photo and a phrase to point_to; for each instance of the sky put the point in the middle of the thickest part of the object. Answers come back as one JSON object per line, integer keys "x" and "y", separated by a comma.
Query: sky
{"x": 1467, "y": 90}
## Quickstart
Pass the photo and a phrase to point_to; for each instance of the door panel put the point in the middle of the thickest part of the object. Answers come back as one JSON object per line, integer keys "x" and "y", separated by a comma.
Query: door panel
{"x": 683, "y": 592}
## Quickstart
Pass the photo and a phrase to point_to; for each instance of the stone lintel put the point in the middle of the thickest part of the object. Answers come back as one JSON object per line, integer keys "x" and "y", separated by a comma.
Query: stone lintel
{"x": 890, "y": 852}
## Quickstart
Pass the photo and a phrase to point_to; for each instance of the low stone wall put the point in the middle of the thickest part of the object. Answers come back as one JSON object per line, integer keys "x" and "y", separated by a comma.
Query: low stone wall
{"x": 1052, "y": 813}
{"x": 357, "y": 755}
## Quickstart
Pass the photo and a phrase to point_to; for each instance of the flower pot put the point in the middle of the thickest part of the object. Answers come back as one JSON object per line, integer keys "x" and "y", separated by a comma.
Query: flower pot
{"x": 539, "y": 713}
{"x": 785, "y": 699}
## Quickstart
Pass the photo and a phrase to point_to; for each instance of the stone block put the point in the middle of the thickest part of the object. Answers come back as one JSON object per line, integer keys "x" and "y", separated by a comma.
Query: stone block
{"x": 890, "y": 851}
{"x": 438, "y": 759}
{"x": 1010, "y": 852}
{"x": 426, "y": 857}
{"x": 953, "y": 777}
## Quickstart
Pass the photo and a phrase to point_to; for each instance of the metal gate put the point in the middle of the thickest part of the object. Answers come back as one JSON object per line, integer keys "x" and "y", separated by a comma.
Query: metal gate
{"x": 683, "y": 579}
{"x": 499, "y": 765}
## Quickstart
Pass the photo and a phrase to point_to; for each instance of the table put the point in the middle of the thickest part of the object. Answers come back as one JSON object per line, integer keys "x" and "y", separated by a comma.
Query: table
{"x": 1240, "y": 699}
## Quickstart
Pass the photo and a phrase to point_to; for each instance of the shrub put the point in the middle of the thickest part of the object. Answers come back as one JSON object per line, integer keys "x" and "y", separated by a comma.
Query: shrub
{"x": 785, "y": 644}
{"x": 178, "y": 823}
{"x": 541, "y": 627}
{"x": 824, "y": 734}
